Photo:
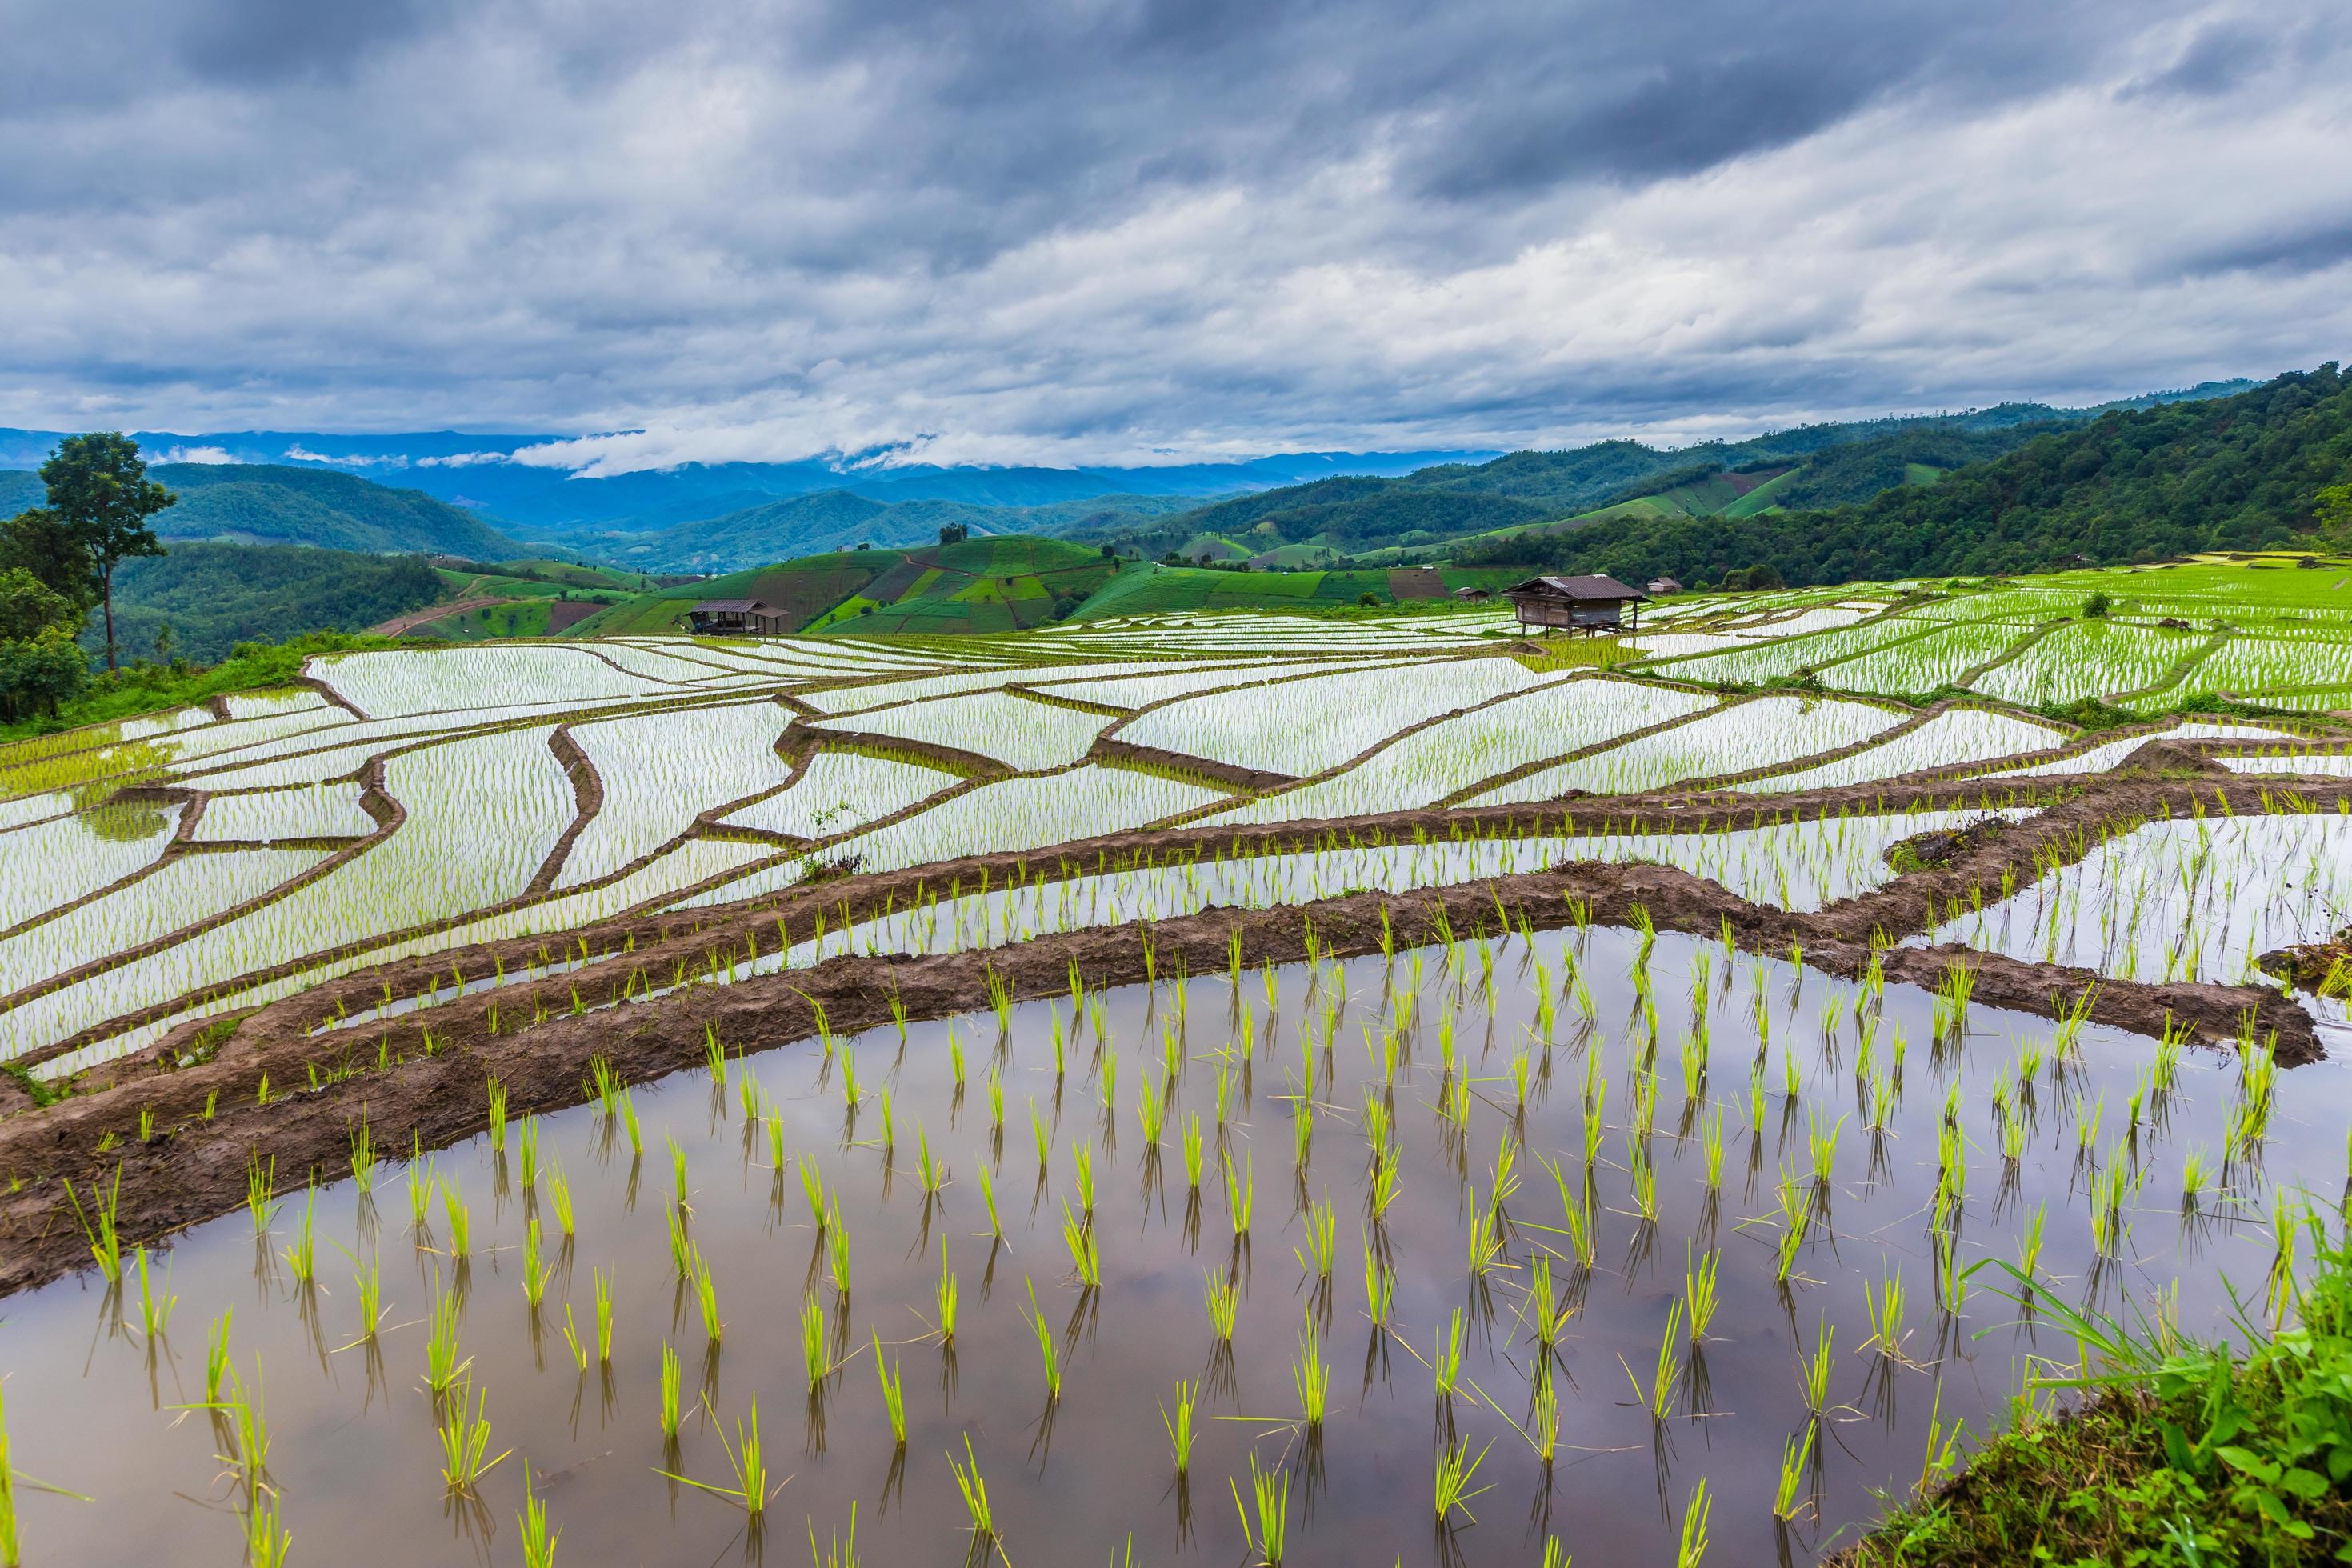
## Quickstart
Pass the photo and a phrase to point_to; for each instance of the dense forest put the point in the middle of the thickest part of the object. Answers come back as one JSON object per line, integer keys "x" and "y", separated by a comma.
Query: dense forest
{"x": 2238, "y": 472}
{"x": 213, "y": 597}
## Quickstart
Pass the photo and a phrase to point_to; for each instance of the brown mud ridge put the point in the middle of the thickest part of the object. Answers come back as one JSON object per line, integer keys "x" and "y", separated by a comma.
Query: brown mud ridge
{"x": 412, "y": 1089}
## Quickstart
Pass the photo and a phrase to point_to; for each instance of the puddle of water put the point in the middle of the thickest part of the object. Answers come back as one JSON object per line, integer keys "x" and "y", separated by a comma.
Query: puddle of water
{"x": 354, "y": 1453}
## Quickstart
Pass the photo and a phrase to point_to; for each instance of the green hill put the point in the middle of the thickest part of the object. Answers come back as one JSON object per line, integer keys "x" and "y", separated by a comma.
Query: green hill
{"x": 2135, "y": 485}
{"x": 271, "y": 504}
{"x": 213, "y": 597}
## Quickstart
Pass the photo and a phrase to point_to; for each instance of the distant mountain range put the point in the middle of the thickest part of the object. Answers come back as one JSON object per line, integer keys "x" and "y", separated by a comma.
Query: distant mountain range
{"x": 445, "y": 492}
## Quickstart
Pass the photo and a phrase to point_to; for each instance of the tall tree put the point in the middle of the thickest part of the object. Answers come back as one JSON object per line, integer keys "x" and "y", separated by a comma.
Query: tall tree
{"x": 98, "y": 486}
{"x": 40, "y": 663}
{"x": 38, "y": 541}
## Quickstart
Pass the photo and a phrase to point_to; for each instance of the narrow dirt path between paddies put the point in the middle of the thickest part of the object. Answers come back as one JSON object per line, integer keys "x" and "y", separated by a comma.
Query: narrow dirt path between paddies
{"x": 431, "y": 612}
{"x": 418, "y": 1079}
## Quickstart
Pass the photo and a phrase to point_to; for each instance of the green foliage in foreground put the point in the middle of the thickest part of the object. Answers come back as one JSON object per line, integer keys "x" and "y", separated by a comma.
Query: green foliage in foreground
{"x": 139, "y": 688}
{"x": 2190, "y": 1454}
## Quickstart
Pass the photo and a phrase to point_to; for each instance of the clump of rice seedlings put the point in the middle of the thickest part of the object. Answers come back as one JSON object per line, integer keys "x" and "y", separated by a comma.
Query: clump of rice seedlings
{"x": 814, "y": 1360}
{"x": 931, "y": 1172}
{"x": 669, "y": 1388}
{"x": 1270, "y": 1501}
{"x": 1691, "y": 1549}
{"x": 154, "y": 1312}
{"x": 466, "y": 1443}
{"x": 1321, "y": 1251}
{"x": 1554, "y": 1553}
{"x": 460, "y": 1219}
{"x": 988, "y": 1197}
{"x": 1814, "y": 1374}
{"x": 260, "y": 1186}
{"x": 538, "y": 1542}
{"x": 1452, "y": 1486}
{"x": 497, "y": 1093}
{"x": 996, "y": 1104}
{"x": 975, "y": 1498}
{"x": 1794, "y": 1454}
{"x": 442, "y": 1368}
{"x": 1241, "y": 1191}
{"x": 1445, "y": 1359}
{"x": 97, "y": 1225}
{"x": 839, "y": 1554}
{"x": 945, "y": 1295}
{"x": 1085, "y": 1254}
{"x": 2194, "y": 1178}
{"x": 266, "y": 1542}
{"x": 1045, "y": 1347}
{"x": 363, "y": 1160}
{"x": 2028, "y": 1247}
{"x": 559, "y": 1197}
{"x": 837, "y": 1246}
{"x": 1380, "y": 1288}
{"x": 1193, "y": 1155}
{"x": 1884, "y": 1307}
{"x": 216, "y": 1367}
{"x": 302, "y": 1257}
{"x": 813, "y": 1184}
{"x": 1147, "y": 1114}
{"x": 603, "y": 1288}
{"x": 1082, "y": 1160}
{"x": 706, "y": 1294}
{"x": 629, "y": 1121}
{"x": 1179, "y": 1426}
{"x": 1658, "y": 1399}
{"x": 1714, "y": 1154}
{"x": 1044, "y": 1138}
{"x": 849, "y": 1095}
{"x": 1224, "y": 1296}
{"x": 894, "y": 1394}
{"x": 747, "y": 1459}
{"x": 1700, "y": 1291}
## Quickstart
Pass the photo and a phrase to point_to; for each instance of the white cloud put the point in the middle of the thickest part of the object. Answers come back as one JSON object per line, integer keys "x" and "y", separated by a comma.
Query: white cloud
{"x": 196, "y": 455}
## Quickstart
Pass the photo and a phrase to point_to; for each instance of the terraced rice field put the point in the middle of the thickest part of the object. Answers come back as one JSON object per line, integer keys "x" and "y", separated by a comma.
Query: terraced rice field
{"x": 1287, "y": 1091}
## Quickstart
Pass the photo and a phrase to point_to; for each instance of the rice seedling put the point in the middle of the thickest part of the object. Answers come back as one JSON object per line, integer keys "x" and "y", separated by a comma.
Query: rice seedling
{"x": 1451, "y": 1488}
{"x": 629, "y": 1121}
{"x": 1240, "y": 1192}
{"x": 894, "y": 1395}
{"x": 1192, "y": 1153}
{"x": 1046, "y": 1352}
{"x": 1666, "y": 1374}
{"x": 97, "y": 1225}
{"x": 1265, "y": 1524}
{"x": 1700, "y": 1292}
{"x": 1321, "y": 1250}
{"x": 443, "y": 1370}
{"x": 1179, "y": 1426}
{"x": 465, "y": 1442}
{"x": 302, "y": 1257}
{"x": 838, "y": 1553}
{"x": 1884, "y": 1307}
{"x": 216, "y": 1365}
{"x": 260, "y": 1186}
{"x": 1085, "y": 1254}
{"x": 537, "y": 1541}
{"x": 837, "y": 1251}
{"x": 1813, "y": 1375}
{"x": 974, "y": 1491}
{"x": 706, "y": 1294}
{"x": 1794, "y": 1453}
{"x": 944, "y": 1295}
{"x": 747, "y": 1459}
{"x": 1691, "y": 1547}
{"x": 1082, "y": 1164}
{"x": 154, "y": 1312}
{"x": 1445, "y": 1358}
{"x": 498, "y": 1099}
{"x": 1223, "y": 1295}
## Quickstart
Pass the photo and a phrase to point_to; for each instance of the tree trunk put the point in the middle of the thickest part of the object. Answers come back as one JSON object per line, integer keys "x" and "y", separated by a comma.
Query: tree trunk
{"x": 106, "y": 588}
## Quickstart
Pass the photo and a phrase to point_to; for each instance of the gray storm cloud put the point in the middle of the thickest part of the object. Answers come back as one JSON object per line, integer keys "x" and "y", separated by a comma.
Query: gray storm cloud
{"x": 1138, "y": 232}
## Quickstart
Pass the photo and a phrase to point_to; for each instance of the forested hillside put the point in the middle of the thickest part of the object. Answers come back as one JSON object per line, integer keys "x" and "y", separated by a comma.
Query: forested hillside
{"x": 1448, "y": 506}
{"x": 2231, "y": 473}
{"x": 213, "y": 597}
{"x": 270, "y": 503}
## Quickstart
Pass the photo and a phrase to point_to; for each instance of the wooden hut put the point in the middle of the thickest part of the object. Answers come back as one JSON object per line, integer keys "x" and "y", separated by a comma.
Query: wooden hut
{"x": 1592, "y": 605}
{"x": 736, "y": 618}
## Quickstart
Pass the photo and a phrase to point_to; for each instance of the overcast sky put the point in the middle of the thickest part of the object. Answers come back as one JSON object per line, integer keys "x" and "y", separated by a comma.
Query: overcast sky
{"x": 1088, "y": 232}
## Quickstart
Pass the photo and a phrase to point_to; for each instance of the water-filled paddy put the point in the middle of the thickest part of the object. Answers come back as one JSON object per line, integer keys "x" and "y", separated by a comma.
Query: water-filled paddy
{"x": 354, "y": 1453}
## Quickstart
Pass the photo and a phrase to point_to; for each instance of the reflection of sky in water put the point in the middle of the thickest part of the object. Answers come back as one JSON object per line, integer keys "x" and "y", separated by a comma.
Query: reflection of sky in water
{"x": 358, "y": 1462}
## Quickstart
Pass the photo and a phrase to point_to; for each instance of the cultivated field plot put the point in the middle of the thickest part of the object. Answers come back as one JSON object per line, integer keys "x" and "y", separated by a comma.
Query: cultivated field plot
{"x": 1645, "y": 1106}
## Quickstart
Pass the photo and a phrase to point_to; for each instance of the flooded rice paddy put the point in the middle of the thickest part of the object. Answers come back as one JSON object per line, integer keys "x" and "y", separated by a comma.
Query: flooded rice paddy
{"x": 1631, "y": 1131}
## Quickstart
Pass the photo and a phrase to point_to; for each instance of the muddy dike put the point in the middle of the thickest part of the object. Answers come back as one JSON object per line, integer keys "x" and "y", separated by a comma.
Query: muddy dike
{"x": 416, "y": 1081}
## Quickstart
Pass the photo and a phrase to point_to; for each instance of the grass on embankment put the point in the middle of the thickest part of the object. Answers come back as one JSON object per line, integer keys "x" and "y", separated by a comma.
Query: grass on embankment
{"x": 154, "y": 687}
{"x": 2186, "y": 1454}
